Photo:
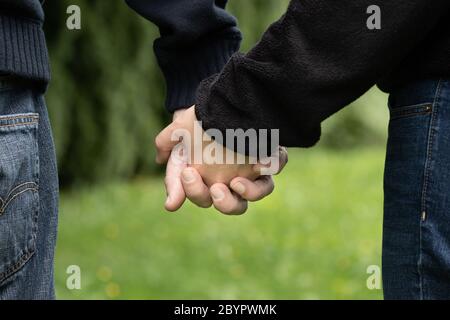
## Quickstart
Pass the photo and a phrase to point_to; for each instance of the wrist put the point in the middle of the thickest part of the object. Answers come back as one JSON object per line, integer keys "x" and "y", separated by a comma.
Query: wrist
{"x": 178, "y": 113}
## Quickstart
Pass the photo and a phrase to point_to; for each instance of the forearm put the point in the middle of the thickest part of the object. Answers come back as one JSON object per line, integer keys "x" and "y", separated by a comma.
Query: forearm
{"x": 311, "y": 63}
{"x": 197, "y": 39}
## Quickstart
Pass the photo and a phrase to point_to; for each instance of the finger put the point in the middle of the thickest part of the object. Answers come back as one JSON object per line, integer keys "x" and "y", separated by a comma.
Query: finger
{"x": 284, "y": 158}
{"x": 195, "y": 189}
{"x": 165, "y": 142}
{"x": 174, "y": 187}
{"x": 253, "y": 190}
{"x": 281, "y": 157}
{"x": 226, "y": 201}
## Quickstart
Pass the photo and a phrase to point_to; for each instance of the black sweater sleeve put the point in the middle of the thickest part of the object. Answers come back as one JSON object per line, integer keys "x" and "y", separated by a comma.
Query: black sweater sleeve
{"x": 319, "y": 57}
{"x": 197, "y": 39}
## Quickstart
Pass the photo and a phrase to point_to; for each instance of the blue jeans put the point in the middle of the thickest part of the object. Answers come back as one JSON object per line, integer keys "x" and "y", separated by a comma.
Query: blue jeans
{"x": 28, "y": 194}
{"x": 416, "y": 229}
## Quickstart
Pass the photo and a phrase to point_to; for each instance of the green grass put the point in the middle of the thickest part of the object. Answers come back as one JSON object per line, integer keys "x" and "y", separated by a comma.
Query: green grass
{"x": 313, "y": 238}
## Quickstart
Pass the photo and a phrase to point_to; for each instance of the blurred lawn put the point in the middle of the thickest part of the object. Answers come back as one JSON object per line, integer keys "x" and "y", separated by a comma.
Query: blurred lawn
{"x": 313, "y": 238}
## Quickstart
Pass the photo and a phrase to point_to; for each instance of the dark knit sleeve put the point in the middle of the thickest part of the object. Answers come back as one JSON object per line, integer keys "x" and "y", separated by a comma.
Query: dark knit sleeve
{"x": 197, "y": 39}
{"x": 319, "y": 57}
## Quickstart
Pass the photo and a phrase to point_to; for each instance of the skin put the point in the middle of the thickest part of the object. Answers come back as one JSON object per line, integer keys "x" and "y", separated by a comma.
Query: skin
{"x": 227, "y": 187}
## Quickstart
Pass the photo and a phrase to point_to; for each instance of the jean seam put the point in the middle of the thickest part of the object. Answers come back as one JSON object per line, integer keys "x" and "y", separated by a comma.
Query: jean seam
{"x": 409, "y": 111}
{"x": 24, "y": 258}
{"x": 19, "y": 120}
{"x": 428, "y": 160}
{"x": 13, "y": 194}
{"x": 31, "y": 116}
{"x": 16, "y": 125}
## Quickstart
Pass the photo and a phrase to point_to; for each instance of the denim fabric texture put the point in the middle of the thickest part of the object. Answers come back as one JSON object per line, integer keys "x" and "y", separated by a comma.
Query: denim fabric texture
{"x": 416, "y": 230}
{"x": 28, "y": 194}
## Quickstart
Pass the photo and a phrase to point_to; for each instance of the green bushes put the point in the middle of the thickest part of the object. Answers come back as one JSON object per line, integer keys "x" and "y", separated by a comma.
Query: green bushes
{"x": 107, "y": 94}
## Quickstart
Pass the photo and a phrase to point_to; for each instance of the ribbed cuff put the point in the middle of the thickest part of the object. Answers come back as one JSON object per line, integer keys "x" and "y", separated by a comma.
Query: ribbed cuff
{"x": 23, "y": 51}
{"x": 185, "y": 72}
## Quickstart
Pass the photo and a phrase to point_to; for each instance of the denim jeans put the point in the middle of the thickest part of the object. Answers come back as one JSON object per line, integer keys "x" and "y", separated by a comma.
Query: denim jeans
{"x": 28, "y": 194}
{"x": 416, "y": 230}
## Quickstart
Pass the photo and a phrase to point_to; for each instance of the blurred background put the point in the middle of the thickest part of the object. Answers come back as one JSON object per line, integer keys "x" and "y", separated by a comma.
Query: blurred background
{"x": 314, "y": 238}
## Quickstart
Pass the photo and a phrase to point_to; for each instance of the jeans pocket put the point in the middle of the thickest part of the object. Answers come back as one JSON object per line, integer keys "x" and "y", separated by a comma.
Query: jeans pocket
{"x": 409, "y": 111}
{"x": 19, "y": 198}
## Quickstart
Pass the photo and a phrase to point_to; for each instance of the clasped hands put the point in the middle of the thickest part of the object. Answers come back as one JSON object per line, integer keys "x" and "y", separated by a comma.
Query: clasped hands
{"x": 228, "y": 187}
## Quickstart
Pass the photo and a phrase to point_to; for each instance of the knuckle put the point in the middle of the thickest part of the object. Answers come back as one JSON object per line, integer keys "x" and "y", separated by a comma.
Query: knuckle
{"x": 194, "y": 193}
{"x": 204, "y": 205}
{"x": 264, "y": 191}
{"x": 224, "y": 208}
{"x": 269, "y": 191}
{"x": 158, "y": 142}
{"x": 253, "y": 196}
{"x": 198, "y": 196}
{"x": 241, "y": 211}
{"x": 236, "y": 209}
{"x": 270, "y": 186}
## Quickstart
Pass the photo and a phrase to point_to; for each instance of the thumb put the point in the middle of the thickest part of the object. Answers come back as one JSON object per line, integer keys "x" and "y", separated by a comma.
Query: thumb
{"x": 166, "y": 141}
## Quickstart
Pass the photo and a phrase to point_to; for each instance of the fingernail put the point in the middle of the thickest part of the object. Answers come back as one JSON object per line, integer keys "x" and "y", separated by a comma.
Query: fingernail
{"x": 239, "y": 187}
{"x": 188, "y": 176}
{"x": 168, "y": 200}
{"x": 217, "y": 194}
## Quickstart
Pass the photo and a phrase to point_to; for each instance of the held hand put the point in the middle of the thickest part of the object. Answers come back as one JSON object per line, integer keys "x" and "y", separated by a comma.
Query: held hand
{"x": 205, "y": 185}
{"x": 235, "y": 201}
{"x": 231, "y": 200}
{"x": 185, "y": 127}
{"x": 183, "y": 181}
